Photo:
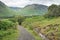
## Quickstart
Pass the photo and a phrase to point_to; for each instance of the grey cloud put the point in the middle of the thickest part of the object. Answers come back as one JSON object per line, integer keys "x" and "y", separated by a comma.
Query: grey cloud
{"x": 22, "y": 3}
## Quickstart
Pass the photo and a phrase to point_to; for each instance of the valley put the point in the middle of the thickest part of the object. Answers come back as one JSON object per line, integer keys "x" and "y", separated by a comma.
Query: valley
{"x": 33, "y": 22}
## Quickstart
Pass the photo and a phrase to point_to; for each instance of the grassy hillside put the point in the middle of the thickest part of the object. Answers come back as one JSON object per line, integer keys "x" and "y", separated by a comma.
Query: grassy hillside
{"x": 34, "y": 9}
{"x": 5, "y": 11}
{"x": 48, "y": 27}
{"x": 48, "y": 24}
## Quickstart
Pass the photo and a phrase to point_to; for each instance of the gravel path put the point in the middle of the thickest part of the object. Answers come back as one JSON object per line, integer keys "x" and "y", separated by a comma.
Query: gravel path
{"x": 24, "y": 34}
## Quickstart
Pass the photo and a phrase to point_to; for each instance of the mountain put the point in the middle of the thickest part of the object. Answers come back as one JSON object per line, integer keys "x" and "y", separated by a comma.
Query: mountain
{"x": 34, "y": 9}
{"x": 5, "y": 11}
{"x": 15, "y": 8}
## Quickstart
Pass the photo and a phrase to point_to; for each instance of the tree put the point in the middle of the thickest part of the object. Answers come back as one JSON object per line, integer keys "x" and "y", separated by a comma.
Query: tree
{"x": 53, "y": 11}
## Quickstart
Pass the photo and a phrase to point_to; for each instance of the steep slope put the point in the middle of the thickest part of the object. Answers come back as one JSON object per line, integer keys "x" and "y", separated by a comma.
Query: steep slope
{"x": 34, "y": 9}
{"x": 5, "y": 11}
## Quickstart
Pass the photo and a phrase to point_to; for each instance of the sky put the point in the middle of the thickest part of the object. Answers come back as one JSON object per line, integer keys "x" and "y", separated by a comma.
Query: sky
{"x": 23, "y": 3}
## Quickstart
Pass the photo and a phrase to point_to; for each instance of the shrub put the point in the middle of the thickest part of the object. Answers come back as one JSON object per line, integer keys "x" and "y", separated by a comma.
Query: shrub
{"x": 6, "y": 24}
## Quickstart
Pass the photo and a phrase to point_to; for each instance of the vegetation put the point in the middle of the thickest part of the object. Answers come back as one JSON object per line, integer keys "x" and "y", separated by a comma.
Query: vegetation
{"x": 48, "y": 24}
{"x": 8, "y": 29}
{"x": 53, "y": 11}
{"x": 5, "y": 11}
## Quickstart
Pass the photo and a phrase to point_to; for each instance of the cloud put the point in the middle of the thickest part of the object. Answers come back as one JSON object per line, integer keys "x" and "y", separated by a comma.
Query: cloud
{"x": 46, "y": 2}
{"x": 18, "y": 3}
{"x": 22, "y": 3}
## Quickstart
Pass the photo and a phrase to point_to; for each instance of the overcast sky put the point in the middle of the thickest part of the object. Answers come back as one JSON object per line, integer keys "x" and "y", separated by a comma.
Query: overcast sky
{"x": 22, "y": 3}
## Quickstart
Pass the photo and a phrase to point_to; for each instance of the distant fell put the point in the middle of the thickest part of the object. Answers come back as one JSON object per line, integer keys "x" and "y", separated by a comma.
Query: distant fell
{"x": 5, "y": 11}
{"x": 34, "y": 9}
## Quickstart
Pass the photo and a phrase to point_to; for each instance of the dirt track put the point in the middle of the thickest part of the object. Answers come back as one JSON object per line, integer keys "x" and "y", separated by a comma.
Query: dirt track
{"x": 25, "y": 35}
